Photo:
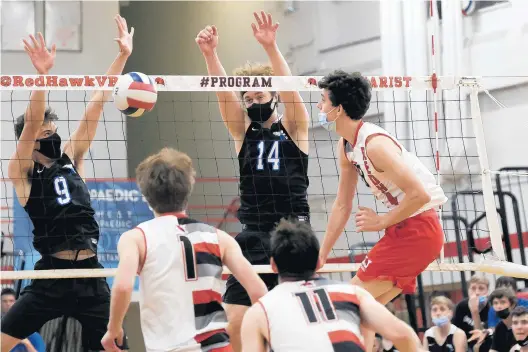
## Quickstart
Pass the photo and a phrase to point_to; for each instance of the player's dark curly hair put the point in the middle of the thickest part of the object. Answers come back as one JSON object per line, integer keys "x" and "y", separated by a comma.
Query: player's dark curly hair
{"x": 350, "y": 90}
{"x": 49, "y": 115}
{"x": 295, "y": 249}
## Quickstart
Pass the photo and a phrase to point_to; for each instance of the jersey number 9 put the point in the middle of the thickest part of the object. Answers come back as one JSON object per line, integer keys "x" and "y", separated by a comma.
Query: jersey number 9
{"x": 273, "y": 156}
{"x": 61, "y": 188}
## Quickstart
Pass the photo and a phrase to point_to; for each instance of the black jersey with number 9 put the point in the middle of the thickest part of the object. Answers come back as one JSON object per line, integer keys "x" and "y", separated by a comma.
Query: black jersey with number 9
{"x": 273, "y": 177}
{"x": 60, "y": 209}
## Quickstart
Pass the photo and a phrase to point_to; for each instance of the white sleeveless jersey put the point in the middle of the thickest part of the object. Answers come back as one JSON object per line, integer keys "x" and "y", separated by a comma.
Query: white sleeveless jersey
{"x": 383, "y": 188}
{"x": 318, "y": 315}
{"x": 180, "y": 285}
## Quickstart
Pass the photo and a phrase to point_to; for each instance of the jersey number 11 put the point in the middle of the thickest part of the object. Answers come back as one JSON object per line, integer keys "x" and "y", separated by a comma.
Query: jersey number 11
{"x": 317, "y": 301}
{"x": 273, "y": 155}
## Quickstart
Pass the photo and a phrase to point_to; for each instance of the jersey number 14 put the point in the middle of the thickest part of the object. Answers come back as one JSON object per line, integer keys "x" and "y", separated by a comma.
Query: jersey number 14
{"x": 273, "y": 156}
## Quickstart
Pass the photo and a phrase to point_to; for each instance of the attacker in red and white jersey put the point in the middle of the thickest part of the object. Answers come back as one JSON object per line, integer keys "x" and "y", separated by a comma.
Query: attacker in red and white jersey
{"x": 310, "y": 313}
{"x": 179, "y": 262}
{"x": 413, "y": 233}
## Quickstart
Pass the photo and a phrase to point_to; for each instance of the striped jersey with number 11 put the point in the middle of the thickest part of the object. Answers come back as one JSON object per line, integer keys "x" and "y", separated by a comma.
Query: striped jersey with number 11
{"x": 317, "y": 315}
{"x": 180, "y": 286}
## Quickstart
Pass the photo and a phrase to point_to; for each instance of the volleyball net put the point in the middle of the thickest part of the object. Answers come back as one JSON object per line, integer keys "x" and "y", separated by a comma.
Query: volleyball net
{"x": 438, "y": 118}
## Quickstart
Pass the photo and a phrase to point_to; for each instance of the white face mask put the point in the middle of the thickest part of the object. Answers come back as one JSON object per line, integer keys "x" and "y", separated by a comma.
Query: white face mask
{"x": 323, "y": 120}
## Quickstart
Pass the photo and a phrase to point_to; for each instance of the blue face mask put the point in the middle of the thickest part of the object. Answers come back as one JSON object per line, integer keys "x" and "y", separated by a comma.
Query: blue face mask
{"x": 323, "y": 121}
{"x": 440, "y": 321}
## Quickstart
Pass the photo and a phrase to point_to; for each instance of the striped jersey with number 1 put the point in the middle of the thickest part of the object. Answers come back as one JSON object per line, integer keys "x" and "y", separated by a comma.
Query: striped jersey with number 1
{"x": 318, "y": 315}
{"x": 180, "y": 286}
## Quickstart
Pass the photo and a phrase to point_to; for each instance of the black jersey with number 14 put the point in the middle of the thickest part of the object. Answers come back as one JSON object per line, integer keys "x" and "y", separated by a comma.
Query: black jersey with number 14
{"x": 59, "y": 207}
{"x": 273, "y": 177}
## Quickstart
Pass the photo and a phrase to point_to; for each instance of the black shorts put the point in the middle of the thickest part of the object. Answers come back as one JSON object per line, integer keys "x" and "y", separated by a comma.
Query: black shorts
{"x": 255, "y": 245}
{"x": 87, "y": 300}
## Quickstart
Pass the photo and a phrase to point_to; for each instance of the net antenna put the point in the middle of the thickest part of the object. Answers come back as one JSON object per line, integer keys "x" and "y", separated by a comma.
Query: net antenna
{"x": 470, "y": 86}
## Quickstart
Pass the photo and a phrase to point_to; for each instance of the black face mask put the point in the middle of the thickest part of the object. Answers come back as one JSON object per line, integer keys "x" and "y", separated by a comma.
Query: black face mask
{"x": 524, "y": 342}
{"x": 50, "y": 146}
{"x": 503, "y": 314}
{"x": 261, "y": 112}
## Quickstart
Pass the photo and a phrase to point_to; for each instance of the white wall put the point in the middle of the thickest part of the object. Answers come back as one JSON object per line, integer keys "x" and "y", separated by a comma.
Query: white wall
{"x": 108, "y": 155}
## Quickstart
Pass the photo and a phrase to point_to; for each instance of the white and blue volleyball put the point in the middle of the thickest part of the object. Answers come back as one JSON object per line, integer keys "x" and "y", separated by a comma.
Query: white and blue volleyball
{"x": 135, "y": 93}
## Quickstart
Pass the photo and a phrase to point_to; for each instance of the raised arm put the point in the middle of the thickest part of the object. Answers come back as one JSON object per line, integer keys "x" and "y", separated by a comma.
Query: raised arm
{"x": 230, "y": 107}
{"x": 239, "y": 266}
{"x": 342, "y": 207}
{"x": 376, "y": 317}
{"x": 21, "y": 163}
{"x": 82, "y": 137}
{"x": 296, "y": 119}
{"x": 254, "y": 330}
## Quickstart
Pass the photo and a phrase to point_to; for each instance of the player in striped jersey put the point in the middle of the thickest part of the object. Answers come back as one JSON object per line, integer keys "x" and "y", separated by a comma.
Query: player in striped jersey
{"x": 309, "y": 313}
{"x": 179, "y": 262}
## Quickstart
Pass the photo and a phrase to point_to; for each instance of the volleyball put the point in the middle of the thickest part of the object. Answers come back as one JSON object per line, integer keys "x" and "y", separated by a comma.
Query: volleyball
{"x": 134, "y": 94}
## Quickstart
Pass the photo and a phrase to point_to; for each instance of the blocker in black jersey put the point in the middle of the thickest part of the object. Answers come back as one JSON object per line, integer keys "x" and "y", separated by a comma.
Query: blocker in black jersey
{"x": 60, "y": 209}
{"x": 63, "y": 218}
{"x": 273, "y": 177}
{"x": 273, "y": 185}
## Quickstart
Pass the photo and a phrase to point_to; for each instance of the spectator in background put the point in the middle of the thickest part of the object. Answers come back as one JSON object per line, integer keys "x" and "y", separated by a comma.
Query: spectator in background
{"x": 8, "y": 299}
{"x": 34, "y": 343}
{"x": 508, "y": 282}
{"x": 472, "y": 313}
{"x": 444, "y": 336}
{"x": 520, "y": 329}
{"x": 503, "y": 301}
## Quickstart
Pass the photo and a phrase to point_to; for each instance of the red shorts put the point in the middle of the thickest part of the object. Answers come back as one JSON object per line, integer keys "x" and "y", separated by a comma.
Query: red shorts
{"x": 404, "y": 251}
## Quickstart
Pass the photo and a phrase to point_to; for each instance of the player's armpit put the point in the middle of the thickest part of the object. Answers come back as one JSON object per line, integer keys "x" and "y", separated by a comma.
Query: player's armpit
{"x": 240, "y": 267}
{"x": 254, "y": 327}
{"x": 129, "y": 259}
{"x": 378, "y": 318}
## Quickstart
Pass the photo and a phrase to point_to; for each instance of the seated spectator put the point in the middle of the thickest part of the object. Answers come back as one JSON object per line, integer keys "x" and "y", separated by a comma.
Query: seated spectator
{"x": 520, "y": 329}
{"x": 444, "y": 336}
{"x": 505, "y": 281}
{"x": 8, "y": 297}
{"x": 472, "y": 313}
{"x": 503, "y": 301}
{"x": 35, "y": 342}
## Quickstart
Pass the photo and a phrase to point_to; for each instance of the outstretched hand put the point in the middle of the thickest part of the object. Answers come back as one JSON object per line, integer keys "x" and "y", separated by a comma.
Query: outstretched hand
{"x": 124, "y": 39}
{"x": 264, "y": 31}
{"x": 41, "y": 58}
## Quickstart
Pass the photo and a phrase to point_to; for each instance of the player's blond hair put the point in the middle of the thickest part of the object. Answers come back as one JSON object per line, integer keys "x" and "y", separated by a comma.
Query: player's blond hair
{"x": 479, "y": 279}
{"x": 253, "y": 69}
{"x": 443, "y": 300}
